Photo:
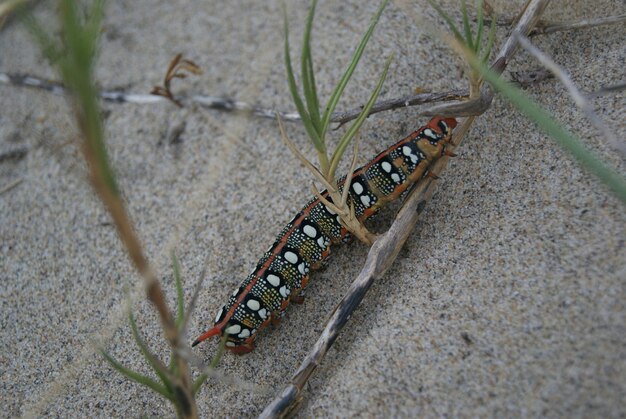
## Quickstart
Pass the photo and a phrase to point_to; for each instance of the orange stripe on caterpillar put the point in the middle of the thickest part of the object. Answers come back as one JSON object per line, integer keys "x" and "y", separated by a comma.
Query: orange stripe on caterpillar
{"x": 283, "y": 271}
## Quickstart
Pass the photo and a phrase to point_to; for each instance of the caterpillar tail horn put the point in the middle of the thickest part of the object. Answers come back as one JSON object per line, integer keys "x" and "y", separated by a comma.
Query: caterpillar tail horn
{"x": 210, "y": 333}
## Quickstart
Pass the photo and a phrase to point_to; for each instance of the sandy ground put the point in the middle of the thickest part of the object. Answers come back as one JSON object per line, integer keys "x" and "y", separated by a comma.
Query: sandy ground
{"x": 508, "y": 300}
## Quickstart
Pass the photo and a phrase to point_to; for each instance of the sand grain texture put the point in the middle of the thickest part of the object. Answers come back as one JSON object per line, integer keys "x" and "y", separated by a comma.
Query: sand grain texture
{"x": 508, "y": 299}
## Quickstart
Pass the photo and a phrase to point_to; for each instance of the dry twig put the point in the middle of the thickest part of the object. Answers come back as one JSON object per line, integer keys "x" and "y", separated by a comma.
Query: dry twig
{"x": 10, "y": 186}
{"x": 581, "y": 101}
{"x": 339, "y": 200}
{"x": 546, "y": 28}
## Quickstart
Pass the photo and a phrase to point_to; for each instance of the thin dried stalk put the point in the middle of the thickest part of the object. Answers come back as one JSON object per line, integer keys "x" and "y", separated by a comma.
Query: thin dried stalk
{"x": 547, "y": 28}
{"x": 581, "y": 101}
{"x": 114, "y": 205}
{"x": 232, "y": 105}
{"x": 386, "y": 248}
{"x": 10, "y": 186}
{"x": 339, "y": 205}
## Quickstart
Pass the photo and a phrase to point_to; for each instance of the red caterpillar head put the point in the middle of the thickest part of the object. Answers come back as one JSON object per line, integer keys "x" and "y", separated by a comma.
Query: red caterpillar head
{"x": 442, "y": 126}
{"x": 432, "y": 138}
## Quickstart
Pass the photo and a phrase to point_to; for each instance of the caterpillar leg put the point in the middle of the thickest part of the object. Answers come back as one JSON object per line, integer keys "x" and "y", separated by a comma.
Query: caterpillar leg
{"x": 243, "y": 348}
{"x": 298, "y": 299}
{"x": 277, "y": 317}
{"x": 215, "y": 331}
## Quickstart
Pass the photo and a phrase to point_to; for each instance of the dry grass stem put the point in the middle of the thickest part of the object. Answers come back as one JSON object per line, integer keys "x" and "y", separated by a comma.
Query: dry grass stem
{"x": 546, "y": 28}
{"x": 338, "y": 205}
{"x": 579, "y": 98}
{"x": 10, "y": 186}
{"x": 348, "y": 181}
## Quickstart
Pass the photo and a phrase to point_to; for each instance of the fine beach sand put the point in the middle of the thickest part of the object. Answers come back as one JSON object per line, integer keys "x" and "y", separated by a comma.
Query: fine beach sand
{"x": 507, "y": 300}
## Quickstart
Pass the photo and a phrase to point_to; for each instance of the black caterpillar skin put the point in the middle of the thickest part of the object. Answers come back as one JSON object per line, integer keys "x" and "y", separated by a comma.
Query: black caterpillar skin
{"x": 283, "y": 271}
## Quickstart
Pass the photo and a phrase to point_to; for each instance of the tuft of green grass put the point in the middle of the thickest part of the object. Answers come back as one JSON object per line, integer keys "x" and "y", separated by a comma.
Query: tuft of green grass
{"x": 479, "y": 70}
{"x": 315, "y": 119}
{"x": 469, "y": 41}
{"x": 168, "y": 375}
{"x": 75, "y": 58}
{"x": 570, "y": 142}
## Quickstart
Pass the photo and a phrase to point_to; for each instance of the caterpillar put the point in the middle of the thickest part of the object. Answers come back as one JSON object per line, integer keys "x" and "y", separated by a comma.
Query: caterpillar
{"x": 283, "y": 272}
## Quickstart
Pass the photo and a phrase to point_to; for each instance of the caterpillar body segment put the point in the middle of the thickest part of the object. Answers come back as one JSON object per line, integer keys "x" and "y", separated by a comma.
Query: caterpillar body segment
{"x": 283, "y": 271}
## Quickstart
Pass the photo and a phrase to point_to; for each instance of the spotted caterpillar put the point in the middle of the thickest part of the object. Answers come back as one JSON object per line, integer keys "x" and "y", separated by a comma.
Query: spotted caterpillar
{"x": 283, "y": 271}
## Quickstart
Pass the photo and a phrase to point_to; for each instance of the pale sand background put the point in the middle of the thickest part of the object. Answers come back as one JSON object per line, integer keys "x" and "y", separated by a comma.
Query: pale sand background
{"x": 520, "y": 249}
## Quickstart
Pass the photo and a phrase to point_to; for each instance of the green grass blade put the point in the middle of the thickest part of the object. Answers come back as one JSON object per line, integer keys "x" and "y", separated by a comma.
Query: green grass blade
{"x": 156, "y": 366}
{"x": 466, "y": 26}
{"x": 48, "y": 48}
{"x": 568, "y": 141}
{"x": 351, "y": 132}
{"x": 480, "y": 24}
{"x": 216, "y": 359}
{"x": 448, "y": 19}
{"x": 293, "y": 88}
{"x": 94, "y": 21}
{"x": 336, "y": 95}
{"x": 180, "y": 296}
{"x": 76, "y": 64}
{"x": 136, "y": 377}
{"x": 308, "y": 77}
{"x": 180, "y": 304}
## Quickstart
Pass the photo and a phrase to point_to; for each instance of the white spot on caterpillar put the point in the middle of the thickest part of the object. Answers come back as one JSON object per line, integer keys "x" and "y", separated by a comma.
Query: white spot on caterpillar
{"x": 310, "y": 231}
{"x": 395, "y": 177}
{"x": 330, "y": 211}
{"x": 291, "y": 257}
{"x": 386, "y": 166}
{"x": 230, "y": 344}
{"x": 321, "y": 242}
{"x": 233, "y": 330}
{"x": 302, "y": 269}
{"x": 235, "y": 292}
{"x": 253, "y": 305}
{"x": 430, "y": 134}
{"x": 366, "y": 200}
{"x": 219, "y": 315}
{"x": 358, "y": 188}
{"x": 406, "y": 150}
{"x": 244, "y": 333}
{"x": 273, "y": 279}
{"x": 284, "y": 291}
{"x": 263, "y": 313}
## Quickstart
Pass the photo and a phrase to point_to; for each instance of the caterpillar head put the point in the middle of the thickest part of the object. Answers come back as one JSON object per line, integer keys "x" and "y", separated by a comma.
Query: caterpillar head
{"x": 439, "y": 129}
{"x": 433, "y": 137}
